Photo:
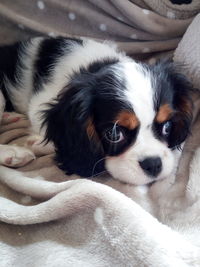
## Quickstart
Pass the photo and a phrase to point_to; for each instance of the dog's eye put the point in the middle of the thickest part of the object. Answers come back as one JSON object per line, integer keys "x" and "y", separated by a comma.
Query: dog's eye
{"x": 166, "y": 128}
{"x": 114, "y": 135}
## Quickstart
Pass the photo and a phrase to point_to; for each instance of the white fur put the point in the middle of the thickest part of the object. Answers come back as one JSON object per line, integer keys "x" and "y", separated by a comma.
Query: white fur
{"x": 21, "y": 93}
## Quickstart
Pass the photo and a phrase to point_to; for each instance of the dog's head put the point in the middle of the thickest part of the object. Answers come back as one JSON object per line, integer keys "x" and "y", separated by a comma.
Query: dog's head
{"x": 123, "y": 117}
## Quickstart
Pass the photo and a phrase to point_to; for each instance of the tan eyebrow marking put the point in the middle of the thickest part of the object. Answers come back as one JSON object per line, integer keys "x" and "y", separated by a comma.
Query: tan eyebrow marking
{"x": 92, "y": 134}
{"x": 127, "y": 119}
{"x": 90, "y": 129}
{"x": 164, "y": 113}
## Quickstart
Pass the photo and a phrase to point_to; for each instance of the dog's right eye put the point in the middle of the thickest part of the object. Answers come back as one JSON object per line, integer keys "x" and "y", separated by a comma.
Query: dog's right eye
{"x": 114, "y": 135}
{"x": 166, "y": 128}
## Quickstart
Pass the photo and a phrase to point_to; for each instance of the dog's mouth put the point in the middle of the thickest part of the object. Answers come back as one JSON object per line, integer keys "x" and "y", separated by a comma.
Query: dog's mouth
{"x": 151, "y": 183}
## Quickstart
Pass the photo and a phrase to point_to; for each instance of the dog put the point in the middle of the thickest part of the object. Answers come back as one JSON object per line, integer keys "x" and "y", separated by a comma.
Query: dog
{"x": 102, "y": 110}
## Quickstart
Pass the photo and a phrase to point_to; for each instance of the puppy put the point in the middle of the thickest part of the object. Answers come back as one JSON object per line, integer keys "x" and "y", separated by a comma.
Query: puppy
{"x": 100, "y": 109}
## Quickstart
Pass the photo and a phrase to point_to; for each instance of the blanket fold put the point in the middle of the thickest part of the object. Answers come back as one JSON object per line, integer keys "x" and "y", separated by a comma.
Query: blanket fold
{"x": 113, "y": 226}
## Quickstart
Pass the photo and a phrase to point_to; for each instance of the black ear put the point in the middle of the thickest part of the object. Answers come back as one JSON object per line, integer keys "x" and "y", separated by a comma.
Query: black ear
{"x": 182, "y": 103}
{"x": 69, "y": 125}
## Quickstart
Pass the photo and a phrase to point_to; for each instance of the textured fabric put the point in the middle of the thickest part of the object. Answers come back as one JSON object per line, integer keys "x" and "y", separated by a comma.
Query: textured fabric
{"x": 188, "y": 52}
{"x": 142, "y": 28}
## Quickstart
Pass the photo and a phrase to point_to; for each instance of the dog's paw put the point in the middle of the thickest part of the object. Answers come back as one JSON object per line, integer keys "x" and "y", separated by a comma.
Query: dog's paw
{"x": 15, "y": 156}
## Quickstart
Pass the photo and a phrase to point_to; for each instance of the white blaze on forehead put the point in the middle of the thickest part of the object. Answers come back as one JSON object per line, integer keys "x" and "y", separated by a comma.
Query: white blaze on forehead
{"x": 139, "y": 92}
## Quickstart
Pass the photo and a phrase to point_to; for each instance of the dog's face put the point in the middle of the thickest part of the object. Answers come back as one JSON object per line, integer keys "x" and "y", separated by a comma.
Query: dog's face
{"x": 126, "y": 118}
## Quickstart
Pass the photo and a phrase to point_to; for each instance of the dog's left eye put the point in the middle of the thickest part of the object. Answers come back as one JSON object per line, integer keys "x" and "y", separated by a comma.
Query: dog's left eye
{"x": 166, "y": 128}
{"x": 114, "y": 135}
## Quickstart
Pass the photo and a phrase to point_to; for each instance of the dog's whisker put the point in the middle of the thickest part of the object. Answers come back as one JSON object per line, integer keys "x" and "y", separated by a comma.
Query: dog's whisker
{"x": 99, "y": 173}
{"x": 96, "y": 165}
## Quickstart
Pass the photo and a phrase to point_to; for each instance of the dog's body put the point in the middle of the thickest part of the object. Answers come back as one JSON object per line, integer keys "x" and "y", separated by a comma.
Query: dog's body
{"x": 102, "y": 110}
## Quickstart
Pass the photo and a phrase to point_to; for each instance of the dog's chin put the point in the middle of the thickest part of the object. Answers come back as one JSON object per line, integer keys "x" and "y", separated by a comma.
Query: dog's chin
{"x": 137, "y": 178}
{"x": 135, "y": 175}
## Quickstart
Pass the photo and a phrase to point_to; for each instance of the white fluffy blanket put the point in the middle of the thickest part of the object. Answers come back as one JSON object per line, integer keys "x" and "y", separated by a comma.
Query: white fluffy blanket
{"x": 85, "y": 223}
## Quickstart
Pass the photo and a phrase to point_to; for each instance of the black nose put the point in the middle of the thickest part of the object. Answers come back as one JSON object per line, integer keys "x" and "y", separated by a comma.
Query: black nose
{"x": 152, "y": 166}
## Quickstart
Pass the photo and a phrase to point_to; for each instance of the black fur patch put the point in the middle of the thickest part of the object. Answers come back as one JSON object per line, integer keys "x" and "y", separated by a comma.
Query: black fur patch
{"x": 9, "y": 60}
{"x": 49, "y": 52}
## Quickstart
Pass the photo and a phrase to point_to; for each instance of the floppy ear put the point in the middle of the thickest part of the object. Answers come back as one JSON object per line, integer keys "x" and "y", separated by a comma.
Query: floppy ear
{"x": 69, "y": 125}
{"x": 182, "y": 119}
